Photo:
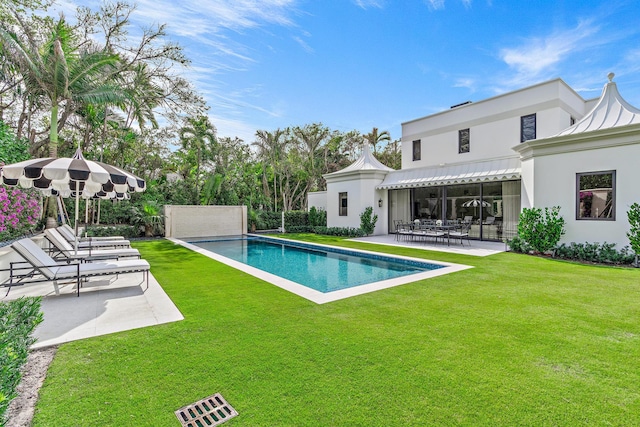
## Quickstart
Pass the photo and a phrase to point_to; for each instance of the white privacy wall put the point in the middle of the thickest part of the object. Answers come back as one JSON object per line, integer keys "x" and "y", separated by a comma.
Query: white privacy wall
{"x": 205, "y": 221}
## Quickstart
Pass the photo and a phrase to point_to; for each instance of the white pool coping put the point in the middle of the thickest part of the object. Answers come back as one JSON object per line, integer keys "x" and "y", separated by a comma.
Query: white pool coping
{"x": 320, "y": 297}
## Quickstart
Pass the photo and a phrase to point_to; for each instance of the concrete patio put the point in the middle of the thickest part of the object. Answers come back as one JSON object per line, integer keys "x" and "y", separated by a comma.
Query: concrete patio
{"x": 473, "y": 247}
{"x": 103, "y": 307}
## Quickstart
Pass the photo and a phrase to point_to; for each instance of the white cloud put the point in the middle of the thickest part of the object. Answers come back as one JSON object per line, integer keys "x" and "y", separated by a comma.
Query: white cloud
{"x": 435, "y": 4}
{"x": 365, "y": 4}
{"x": 465, "y": 82}
{"x": 539, "y": 55}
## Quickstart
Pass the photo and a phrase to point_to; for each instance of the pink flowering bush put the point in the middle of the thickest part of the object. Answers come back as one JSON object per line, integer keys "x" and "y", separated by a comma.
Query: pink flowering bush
{"x": 19, "y": 212}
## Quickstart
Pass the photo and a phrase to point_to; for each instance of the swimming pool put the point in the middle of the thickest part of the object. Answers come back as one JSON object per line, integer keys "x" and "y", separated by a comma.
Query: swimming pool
{"x": 318, "y": 272}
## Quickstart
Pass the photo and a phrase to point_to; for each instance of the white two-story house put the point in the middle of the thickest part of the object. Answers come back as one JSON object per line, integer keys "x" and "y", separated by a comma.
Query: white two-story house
{"x": 540, "y": 146}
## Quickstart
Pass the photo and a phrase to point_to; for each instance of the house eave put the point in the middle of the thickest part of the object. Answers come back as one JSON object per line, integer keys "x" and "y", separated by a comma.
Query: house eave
{"x": 598, "y": 139}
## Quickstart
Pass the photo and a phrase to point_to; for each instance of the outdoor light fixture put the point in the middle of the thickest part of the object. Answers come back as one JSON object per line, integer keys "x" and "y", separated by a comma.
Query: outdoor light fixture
{"x": 380, "y": 203}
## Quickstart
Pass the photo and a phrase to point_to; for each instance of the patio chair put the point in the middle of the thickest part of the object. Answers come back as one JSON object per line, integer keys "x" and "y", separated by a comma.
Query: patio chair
{"x": 91, "y": 242}
{"x": 434, "y": 233}
{"x": 404, "y": 232}
{"x": 461, "y": 233}
{"x": 62, "y": 249}
{"x": 42, "y": 268}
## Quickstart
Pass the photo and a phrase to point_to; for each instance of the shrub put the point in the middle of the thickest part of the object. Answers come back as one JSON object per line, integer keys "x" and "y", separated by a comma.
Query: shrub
{"x": 518, "y": 245}
{"x": 317, "y": 217}
{"x": 18, "y": 319}
{"x": 634, "y": 233}
{"x": 296, "y": 218}
{"x": 368, "y": 220}
{"x": 19, "y": 212}
{"x": 127, "y": 231}
{"x": 300, "y": 229}
{"x": 541, "y": 232}
{"x": 268, "y": 220}
{"x": 605, "y": 253}
{"x": 340, "y": 231}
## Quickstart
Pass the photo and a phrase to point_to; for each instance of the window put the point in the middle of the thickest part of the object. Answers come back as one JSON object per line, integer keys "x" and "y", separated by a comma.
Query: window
{"x": 596, "y": 196}
{"x": 416, "y": 150}
{"x": 463, "y": 141}
{"x": 342, "y": 204}
{"x": 527, "y": 127}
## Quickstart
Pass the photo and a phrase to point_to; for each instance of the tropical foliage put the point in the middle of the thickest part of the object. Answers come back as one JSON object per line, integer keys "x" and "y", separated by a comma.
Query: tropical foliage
{"x": 368, "y": 220}
{"x": 18, "y": 319}
{"x": 19, "y": 212}
{"x": 540, "y": 232}
{"x": 118, "y": 93}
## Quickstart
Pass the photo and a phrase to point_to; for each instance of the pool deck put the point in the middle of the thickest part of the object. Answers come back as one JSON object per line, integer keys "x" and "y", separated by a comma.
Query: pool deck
{"x": 473, "y": 247}
{"x": 103, "y": 307}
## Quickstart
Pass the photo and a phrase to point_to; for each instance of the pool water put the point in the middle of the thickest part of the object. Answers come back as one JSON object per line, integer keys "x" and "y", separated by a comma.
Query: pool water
{"x": 324, "y": 270}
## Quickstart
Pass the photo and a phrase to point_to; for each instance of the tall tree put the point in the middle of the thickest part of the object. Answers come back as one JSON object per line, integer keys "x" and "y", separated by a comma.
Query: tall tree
{"x": 310, "y": 139}
{"x": 58, "y": 71}
{"x": 272, "y": 147}
{"x": 375, "y": 137}
{"x": 198, "y": 135}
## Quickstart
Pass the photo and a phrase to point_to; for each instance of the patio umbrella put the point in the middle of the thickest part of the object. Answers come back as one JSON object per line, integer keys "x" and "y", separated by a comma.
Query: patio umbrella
{"x": 475, "y": 203}
{"x": 73, "y": 177}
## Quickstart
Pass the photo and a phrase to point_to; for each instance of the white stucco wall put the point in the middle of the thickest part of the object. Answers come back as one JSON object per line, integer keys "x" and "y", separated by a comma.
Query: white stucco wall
{"x": 361, "y": 193}
{"x": 555, "y": 185}
{"x": 205, "y": 221}
{"x": 494, "y": 125}
{"x": 317, "y": 199}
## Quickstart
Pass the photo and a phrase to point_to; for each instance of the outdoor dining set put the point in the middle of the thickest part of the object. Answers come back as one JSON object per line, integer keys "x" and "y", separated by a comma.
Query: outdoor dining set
{"x": 434, "y": 230}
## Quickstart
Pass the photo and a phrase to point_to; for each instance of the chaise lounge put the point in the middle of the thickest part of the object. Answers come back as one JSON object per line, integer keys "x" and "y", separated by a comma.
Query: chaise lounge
{"x": 62, "y": 249}
{"x": 91, "y": 242}
{"x": 42, "y": 268}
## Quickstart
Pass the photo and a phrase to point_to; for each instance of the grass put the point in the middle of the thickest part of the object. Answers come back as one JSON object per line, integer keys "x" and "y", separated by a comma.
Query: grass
{"x": 517, "y": 340}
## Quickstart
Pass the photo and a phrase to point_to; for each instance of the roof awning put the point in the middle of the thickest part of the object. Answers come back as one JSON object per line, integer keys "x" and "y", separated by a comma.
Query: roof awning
{"x": 464, "y": 173}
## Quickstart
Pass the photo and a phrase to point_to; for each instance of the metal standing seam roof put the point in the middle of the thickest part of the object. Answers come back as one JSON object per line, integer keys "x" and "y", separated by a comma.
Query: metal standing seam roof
{"x": 610, "y": 111}
{"x": 491, "y": 170}
{"x": 366, "y": 161}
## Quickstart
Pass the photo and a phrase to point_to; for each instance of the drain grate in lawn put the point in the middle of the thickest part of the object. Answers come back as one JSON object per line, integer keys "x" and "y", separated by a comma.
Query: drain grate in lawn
{"x": 210, "y": 411}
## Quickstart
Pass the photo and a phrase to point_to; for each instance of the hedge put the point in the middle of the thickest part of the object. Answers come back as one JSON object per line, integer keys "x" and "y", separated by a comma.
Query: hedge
{"x": 18, "y": 319}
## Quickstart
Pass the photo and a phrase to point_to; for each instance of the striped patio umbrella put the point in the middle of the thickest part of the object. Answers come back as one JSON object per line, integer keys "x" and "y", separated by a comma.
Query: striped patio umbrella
{"x": 73, "y": 177}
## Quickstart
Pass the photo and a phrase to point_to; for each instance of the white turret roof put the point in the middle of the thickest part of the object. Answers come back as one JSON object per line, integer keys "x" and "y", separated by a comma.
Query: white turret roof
{"x": 610, "y": 111}
{"x": 366, "y": 162}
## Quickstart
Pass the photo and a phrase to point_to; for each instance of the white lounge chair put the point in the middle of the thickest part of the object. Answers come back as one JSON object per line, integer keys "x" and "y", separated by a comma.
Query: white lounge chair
{"x": 42, "y": 268}
{"x": 89, "y": 243}
{"x": 71, "y": 232}
{"x": 63, "y": 249}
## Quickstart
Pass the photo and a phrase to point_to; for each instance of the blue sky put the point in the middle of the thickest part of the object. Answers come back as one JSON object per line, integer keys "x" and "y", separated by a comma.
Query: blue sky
{"x": 356, "y": 64}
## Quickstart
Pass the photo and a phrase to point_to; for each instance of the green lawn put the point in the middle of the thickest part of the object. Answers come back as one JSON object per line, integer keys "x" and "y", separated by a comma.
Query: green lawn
{"x": 517, "y": 340}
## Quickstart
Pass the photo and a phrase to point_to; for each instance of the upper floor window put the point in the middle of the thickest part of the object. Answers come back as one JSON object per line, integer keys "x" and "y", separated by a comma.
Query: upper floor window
{"x": 416, "y": 150}
{"x": 463, "y": 141}
{"x": 527, "y": 127}
{"x": 342, "y": 204}
{"x": 596, "y": 195}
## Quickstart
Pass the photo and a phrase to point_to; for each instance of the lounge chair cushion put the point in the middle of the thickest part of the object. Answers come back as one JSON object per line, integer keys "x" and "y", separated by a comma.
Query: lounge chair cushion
{"x": 56, "y": 239}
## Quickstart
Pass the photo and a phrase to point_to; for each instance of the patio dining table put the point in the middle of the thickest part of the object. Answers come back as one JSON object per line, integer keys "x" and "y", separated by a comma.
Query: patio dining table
{"x": 443, "y": 227}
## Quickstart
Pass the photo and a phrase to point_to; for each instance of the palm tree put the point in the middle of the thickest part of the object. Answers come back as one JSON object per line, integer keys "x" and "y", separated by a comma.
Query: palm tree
{"x": 311, "y": 138}
{"x": 57, "y": 70}
{"x": 271, "y": 151}
{"x": 374, "y": 138}
{"x": 199, "y": 136}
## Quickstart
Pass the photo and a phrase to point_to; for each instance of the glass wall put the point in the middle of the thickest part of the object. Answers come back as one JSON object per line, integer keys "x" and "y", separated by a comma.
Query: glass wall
{"x": 492, "y": 208}
{"x": 427, "y": 203}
